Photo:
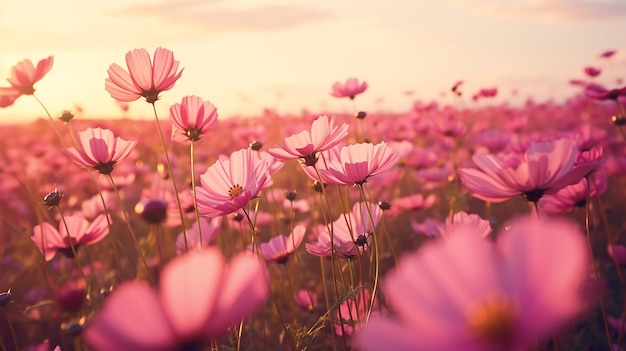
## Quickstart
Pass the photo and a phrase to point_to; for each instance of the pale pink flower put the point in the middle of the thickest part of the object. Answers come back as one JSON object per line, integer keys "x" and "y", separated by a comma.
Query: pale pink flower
{"x": 192, "y": 119}
{"x": 228, "y": 185}
{"x": 145, "y": 77}
{"x": 199, "y": 298}
{"x": 281, "y": 247}
{"x": 466, "y": 293}
{"x": 358, "y": 162}
{"x": 101, "y": 150}
{"x": 462, "y": 222}
{"x": 306, "y": 145}
{"x": 430, "y": 227}
{"x": 209, "y": 227}
{"x": 413, "y": 202}
{"x": 24, "y": 75}
{"x": 544, "y": 168}
{"x": 49, "y": 240}
{"x": 351, "y": 88}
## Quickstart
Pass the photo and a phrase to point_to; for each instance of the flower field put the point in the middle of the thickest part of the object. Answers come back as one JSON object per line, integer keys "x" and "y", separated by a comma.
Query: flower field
{"x": 470, "y": 226}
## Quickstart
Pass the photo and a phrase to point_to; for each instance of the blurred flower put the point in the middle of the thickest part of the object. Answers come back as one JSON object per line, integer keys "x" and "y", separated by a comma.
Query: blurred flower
{"x": 209, "y": 227}
{"x": 101, "y": 150}
{"x": 23, "y": 77}
{"x": 599, "y": 92}
{"x": 608, "y": 54}
{"x": 81, "y": 232}
{"x": 192, "y": 119}
{"x": 306, "y": 299}
{"x": 306, "y": 145}
{"x": 462, "y": 222}
{"x": 574, "y": 195}
{"x": 617, "y": 253}
{"x": 146, "y": 78}
{"x": 199, "y": 298}
{"x": 592, "y": 71}
{"x": 228, "y": 185}
{"x": 351, "y": 88}
{"x": 466, "y": 293}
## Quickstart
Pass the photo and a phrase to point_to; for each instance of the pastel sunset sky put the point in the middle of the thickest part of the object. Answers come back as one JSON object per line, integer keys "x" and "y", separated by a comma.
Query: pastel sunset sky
{"x": 245, "y": 55}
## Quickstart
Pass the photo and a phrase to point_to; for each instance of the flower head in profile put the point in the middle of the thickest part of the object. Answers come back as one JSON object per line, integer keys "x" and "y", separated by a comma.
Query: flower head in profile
{"x": 192, "y": 118}
{"x": 351, "y": 88}
{"x": 101, "y": 150}
{"x": 544, "y": 168}
{"x": 229, "y": 184}
{"x": 145, "y": 77}
{"x": 466, "y": 293}
{"x": 281, "y": 247}
{"x": 358, "y": 162}
{"x": 199, "y": 297}
{"x": 23, "y": 77}
{"x": 306, "y": 145}
{"x": 49, "y": 240}
{"x": 464, "y": 222}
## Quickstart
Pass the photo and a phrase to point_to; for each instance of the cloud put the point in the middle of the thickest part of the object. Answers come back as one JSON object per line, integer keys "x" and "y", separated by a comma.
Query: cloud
{"x": 210, "y": 16}
{"x": 563, "y": 11}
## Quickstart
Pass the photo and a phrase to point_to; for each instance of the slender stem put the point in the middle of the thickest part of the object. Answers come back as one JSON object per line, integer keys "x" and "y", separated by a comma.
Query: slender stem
{"x": 195, "y": 198}
{"x": 293, "y": 294}
{"x": 593, "y": 260}
{"x": 171, "y": 173}
{"x": 56, "y": 130}
{"x": 70, "y": 241}
{"x": 130, "y": 228}
{"x": 239, "y": 333}
{"x": 6, "y": 315}
{"x": 376, "y": 256}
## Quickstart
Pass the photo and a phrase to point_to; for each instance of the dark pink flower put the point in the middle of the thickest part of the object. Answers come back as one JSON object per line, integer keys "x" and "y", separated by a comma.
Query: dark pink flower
{"x": 306, "y": 145}
{"x": 599, "y": 92}
{"x": 617, "y": 253}
{"x": 23, "y": 77}
{"x": 145, "y": 77}
{"x": 192, "y": 119}
{"x": 608, "y": 54}
{"x": 101, "y": 150}
{"x": 199, "y": 298}
{"x": 229, "y": 184}
{"x": 592, "y": 71}
{"x": 351, "y": 88}
{"x": 49, "y": 240}
{"x": 574, "y": 195}
{"x": 466, "y": 293}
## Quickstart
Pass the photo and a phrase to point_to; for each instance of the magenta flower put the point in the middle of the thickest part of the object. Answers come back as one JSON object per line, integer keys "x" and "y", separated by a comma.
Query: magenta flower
{"x": 23, "y": 77}
{"x": 358, "y": 162}
{"x": 544, "y": 168}
{"x": 81, "y": 232}
{"x": 101, "y": 150}
{"x": 306, "y": 145}
{"x": 617, "y": 253}
{"x": 229, "y": 184}
{"x": 574, "y": 195}
{"x": 192, "y": 119}
{"x": 281, "y": 247}
{"x": 599, "y": 92}
{"x": 608, "y": 54}
{"x": 351, "y": 88}
{"x": 199, "y": 298}
{"x": 145, "y": 77}
{"x": 466, "y": 293}
{"x": 592, "y": 71}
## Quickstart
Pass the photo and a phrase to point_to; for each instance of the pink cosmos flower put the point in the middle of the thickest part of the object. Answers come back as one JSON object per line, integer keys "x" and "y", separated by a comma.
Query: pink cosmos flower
{"x": 358, "y": 162}
{"x": 351, "y": 88}
{"x": 599, "y": 92}
{"x": 544, "y": 168}
{"x": 80, "y": 231}
{"x": 608, "y": 54}
{"x": 617, "y": 253}
{"x": 466, "y": 293}
{"x": 463, "y": 222}
{"x": 430, "y": 227}
{"x": 592, "y": 71}
{"x": 23, "y": 77}
{"x": 574, "y": 195}
{"x": 147, "y": 78}
{"x": 352, "y": 313}
{"x": 192, "y": 119}
{"x": 306, "y": 299}
{"x": 228, "y": 185}
{"x": 306, "y": 145}
{"x": 209, "y": 227}
{"x": 281, "y": 247}
{"x": 199, "y": 298}
{"x": 413, "y": 202}
{"x": 101, "y": 150}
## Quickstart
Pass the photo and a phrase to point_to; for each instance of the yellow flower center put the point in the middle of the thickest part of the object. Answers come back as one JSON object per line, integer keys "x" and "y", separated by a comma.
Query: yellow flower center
{"x": 493, "y": 319}
{"x": 235, "y": 191}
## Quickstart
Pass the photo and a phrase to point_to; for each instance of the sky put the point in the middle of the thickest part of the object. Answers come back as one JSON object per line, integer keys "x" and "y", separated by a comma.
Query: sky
{"x": 247, "y": 55}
